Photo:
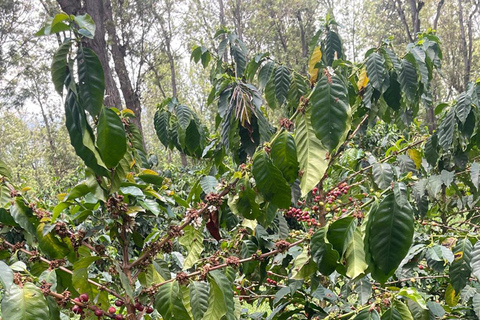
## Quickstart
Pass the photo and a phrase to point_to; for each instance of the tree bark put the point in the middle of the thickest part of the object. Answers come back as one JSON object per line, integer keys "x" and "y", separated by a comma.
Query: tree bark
{"x": 437, "y": 16}
{"x": 222, "y": 23}
{"x": 98, "y": 44}
{"x": 237, "y": 15}
{"x": 463, "y": 43}
{"x": 132, "y": 100}
{"x": 101, "y": 12}
{"x": 397, "y": 4}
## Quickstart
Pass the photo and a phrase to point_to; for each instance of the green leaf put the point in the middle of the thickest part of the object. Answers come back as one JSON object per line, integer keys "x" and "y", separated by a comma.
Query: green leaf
{"x": 81, "y": 135}
{"x": 168, "y": 302}
{"x": 303, "y": 266}
{"x": 282, "y": 80}
{"x": 54, "y": 248}
{"x": 333, "y": 47}
{"x": 240, "y": 60}
{"x": 112, "y": 140}
{"x": 6, "y": 275}
{"x": 80, "y": 276}
{"x": 198, "y": 298}
{"x": 209, "y": 184}
{"x": 463, "y": 107}
{"x": 245, "y": 203}
{"x": 408, "y": 80}
{"x": 391, "y": 314}
{"x": 323, "y": 253}
{"x": 417, "y": 312}
{"x": 192, "y": 240}
{"x": 184, "y": 116}
{"x": 476, "y": 304}
{"x": 435, "y": 309}
{"x": 4, "y": 171}
{"x": 270, "y": 94}
{"x": 248, "y": 249}
{"x": 331, "y": 115}
{"x": 220, "y": 301}
{"x": 412, "y": 294}
{"x": 284, "y": 156}
{"x": 59, "y": 69}
{"x": 475, "y": 174}
{"x": 430, "y": 150}
{"x": 366, "y": 314}
{"x": 21, "y": 213}
{"x": 85, "y": 22}
{"x": 355, "y": 256}
{"x": 311, "y": 153}
{"x": 475, "y": 263}
{"x": 376, "y": 71}
{"x": 382, "y": 174}
{"x": 460, "y": 269}
{"x": 298, "y": 88}
{"x": 27, "y": 303}
{"x": 4, "y": 196}
{"x": 162, "y": 125}
{"x": 403, "y": 310}
{"x": 91, "y": 81}
{"x": 265, "y": 74}
{"x": 388, "y": 238}
{"x": 270, "y": 181}
{"x": 340, "y": 233}
{"x": 446, "y": 130}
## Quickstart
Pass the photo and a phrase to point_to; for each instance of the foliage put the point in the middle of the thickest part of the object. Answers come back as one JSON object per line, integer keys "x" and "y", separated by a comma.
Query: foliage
{"x": 349, "y": 208}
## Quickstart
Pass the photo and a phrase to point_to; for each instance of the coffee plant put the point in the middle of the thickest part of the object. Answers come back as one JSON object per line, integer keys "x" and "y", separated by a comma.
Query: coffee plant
{"x": 320, "y": 195}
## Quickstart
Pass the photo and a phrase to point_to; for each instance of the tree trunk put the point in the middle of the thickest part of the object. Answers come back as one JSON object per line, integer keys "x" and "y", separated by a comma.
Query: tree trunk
{"x": 415, "y": 8}
{"x": 101, "y": 12}
{"x": 237, "y": 16}
{"x": 437, "y": 16}
{"x": 463, "y": 43}
{"x": 132, "y": 100}
{"x": 397, "y": 4}
{"x": 303, "y": 38}
{"x": 98, "y": 44}
{"x": 222, "y": 23}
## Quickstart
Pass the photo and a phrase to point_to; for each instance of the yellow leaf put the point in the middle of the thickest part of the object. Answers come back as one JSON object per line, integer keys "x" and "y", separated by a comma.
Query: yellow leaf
{"x": 61, "y": 196}
{"x": 416, "y": 156}
{"x": 128, "y": 112}
{"x": 148, "y": 171}
{"x": 130, "y": 177}
{"x": 362, "y": 79}
{"x": 450, "y": 297}
{"x": 314, "y": 59}
{"x": 26, "y": 189}
{"x": 237, "y": 174}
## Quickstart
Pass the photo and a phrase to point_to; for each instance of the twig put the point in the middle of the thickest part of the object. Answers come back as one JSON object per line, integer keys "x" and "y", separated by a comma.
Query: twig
{"x": 189, "y": 219}
{"x": 223, "y": 265}
{"x": 100, "y": 286}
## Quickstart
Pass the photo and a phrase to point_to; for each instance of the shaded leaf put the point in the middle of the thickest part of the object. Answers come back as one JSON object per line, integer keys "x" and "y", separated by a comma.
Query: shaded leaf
{"x": 111, "y": 137}
{"x": 331, "y": 115}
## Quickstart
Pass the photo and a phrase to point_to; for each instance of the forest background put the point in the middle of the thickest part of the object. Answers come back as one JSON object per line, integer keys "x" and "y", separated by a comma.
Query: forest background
{"x": 146, "y": 53}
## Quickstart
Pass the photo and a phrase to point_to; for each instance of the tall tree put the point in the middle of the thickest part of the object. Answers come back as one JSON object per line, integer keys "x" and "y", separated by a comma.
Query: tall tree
{"x": 102, "y": 14}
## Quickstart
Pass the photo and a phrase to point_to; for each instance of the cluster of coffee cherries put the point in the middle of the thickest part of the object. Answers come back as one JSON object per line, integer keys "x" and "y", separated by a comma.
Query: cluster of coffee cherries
{"x": 272, "y": 282}
{"x": 300, "y": 215}
{"x": 83, "y": 298}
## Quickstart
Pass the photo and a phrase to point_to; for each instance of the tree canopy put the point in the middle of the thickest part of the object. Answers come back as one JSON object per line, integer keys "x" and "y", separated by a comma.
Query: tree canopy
{"x": 293, "y": 178}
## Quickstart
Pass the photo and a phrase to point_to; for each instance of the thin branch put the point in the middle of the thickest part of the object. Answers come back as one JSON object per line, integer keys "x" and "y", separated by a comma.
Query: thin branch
{"x": 188, "y": 220}
{"x": 100, "y": 286}
{"x": 224, "y": 265}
